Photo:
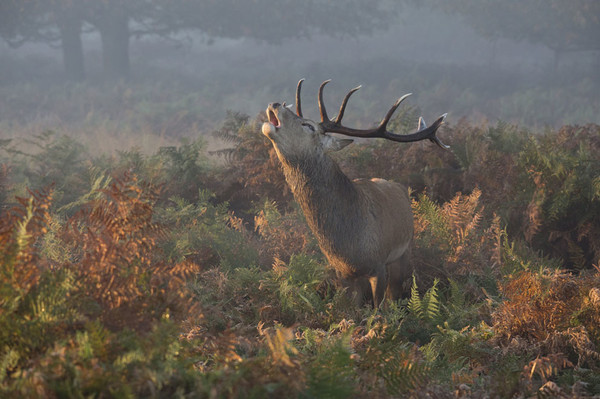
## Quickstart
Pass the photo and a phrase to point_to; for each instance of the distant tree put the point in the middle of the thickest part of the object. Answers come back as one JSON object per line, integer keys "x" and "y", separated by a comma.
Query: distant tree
{"x": 114, "y": 19}
{"x": 56, "y": 22}
{"x": 562, "y": 26}
{"x": 60, "y": 22}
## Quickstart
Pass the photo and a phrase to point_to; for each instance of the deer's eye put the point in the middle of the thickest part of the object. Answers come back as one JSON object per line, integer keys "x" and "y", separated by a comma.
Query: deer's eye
{"x": 308, "y": 125}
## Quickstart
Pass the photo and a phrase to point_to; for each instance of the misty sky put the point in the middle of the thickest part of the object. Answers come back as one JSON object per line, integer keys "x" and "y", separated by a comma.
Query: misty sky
{"x": 427, "y": 52}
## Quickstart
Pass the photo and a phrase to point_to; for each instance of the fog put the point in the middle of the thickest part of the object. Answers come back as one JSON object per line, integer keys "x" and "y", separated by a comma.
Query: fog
{"x": 437, "y": 55}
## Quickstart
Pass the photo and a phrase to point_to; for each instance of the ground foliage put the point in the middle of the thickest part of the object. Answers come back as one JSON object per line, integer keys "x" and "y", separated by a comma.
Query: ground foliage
{"x": 173, "y": 275}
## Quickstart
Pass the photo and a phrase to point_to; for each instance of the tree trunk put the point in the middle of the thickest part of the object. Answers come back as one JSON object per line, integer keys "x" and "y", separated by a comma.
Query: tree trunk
{"x": 114, "y": 32}
{"x": 72, "y": 48}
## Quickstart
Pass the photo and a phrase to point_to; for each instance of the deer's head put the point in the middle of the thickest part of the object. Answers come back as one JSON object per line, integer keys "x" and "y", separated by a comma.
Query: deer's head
{"x": 292, "y": 134}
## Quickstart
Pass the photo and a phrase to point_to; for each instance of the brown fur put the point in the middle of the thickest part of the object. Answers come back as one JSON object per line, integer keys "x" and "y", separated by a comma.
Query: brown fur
{"x": 364, "y": 227}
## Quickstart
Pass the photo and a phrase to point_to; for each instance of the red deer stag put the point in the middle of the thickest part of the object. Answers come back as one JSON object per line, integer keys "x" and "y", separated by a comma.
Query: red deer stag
{"x": 365, "y": 226}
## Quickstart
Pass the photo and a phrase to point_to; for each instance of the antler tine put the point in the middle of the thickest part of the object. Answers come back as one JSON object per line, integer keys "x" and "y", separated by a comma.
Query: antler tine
{"x": 343, "y": 106}
{"x": 389, "y": 114}
{"x": 298, "y": 100}
{"x": 322, "y": 109}
{"x": 425, "y": 133}
{"x": 435, "y": 139}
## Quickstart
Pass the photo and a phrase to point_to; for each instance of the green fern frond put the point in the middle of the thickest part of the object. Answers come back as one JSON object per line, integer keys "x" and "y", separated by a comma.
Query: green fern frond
{"x": 49, "y": 301}
{"x": 22, "y": 236}
{"x": 403, "y": 370}
{"x": 99, "y": 180}
{"x": 431, "y": 302}
{"x": 231, "y": 127}
{"x": 228, "y": 154}
{"x": 8, "y": 361}
{"x": 415, "y": 304}
{"x": 331, "y": 373}
{"x": 457, "y": 296}
{"x": 427, "y": 308}
{"x": 84, "y": 346}
{"x": 227, "y": 136}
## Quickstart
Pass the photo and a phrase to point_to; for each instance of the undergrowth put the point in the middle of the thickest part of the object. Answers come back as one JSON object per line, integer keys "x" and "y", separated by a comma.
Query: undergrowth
{"x": 169, "y": 275}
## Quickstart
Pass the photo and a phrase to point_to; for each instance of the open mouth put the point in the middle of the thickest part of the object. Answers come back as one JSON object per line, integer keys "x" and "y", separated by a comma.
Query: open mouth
{"x": 273, "y": 117}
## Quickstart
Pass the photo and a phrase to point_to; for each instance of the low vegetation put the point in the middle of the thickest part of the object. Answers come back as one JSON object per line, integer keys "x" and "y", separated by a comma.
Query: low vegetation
{"x": 178, "y": 274}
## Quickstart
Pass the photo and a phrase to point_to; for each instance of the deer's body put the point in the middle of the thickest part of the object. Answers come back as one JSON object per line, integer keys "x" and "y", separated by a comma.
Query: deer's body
{"x": 364, "y": 227}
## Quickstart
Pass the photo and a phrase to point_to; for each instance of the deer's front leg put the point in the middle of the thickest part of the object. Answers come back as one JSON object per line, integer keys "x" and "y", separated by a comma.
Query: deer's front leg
{"x": 358, "y": 290}
{"x": 379, "y": 284}
{"x": 400, "y": 272}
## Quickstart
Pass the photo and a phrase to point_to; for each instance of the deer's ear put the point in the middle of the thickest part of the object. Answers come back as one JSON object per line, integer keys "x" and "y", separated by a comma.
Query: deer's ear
{"x": 331, "y": 144}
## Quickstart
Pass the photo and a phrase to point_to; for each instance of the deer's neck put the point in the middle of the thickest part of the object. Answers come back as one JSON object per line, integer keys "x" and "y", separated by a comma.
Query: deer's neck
{"x": 328, "y": 198}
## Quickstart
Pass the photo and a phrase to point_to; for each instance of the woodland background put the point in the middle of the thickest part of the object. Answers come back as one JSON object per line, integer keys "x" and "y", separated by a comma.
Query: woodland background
{"x": 149, "y": 246}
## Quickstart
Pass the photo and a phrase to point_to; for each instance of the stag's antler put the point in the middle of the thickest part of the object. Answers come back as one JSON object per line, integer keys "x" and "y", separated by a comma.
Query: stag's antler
{"x": 335, "y": 126}
{"x": 298, "y": 100}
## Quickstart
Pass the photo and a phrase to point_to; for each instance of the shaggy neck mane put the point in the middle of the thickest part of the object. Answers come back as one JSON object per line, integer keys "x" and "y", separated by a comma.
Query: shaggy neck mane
{"x": 327, "y": 197}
